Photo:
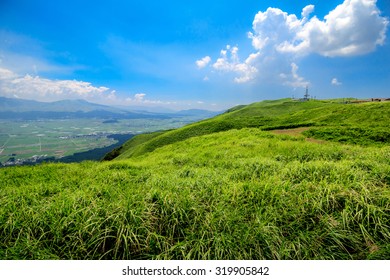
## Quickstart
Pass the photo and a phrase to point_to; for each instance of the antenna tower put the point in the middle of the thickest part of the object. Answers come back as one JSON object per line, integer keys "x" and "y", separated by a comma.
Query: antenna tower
{"x": 306, "y": 96}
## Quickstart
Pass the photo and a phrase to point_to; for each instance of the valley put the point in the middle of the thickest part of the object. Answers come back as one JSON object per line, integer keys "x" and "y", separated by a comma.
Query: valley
{"x": 33, "y": 132}
{"x": 28, "y": 141}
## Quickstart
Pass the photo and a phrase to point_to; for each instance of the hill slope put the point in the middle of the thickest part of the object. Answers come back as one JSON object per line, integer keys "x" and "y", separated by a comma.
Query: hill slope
{"x": 239, "y": 193}
{"x": 352, "y": 123}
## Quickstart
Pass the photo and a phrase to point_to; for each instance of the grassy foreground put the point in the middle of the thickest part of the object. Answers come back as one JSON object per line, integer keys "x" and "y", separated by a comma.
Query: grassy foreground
{"x": 239, "y": 194}
{"x": 223, "y": 188}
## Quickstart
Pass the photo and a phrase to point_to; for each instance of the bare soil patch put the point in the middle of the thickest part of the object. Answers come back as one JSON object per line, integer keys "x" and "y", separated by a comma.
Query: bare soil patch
{"x": 292, "y": 131}
{"x": 296, "y": 132}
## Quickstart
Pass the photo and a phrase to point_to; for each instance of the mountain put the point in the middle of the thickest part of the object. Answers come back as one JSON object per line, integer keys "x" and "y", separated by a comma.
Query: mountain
{"x": 273, "y": 180}
{"x": 23, "y": 105}
{"x": 78, "y": 105}
{"x": 150, "y": 109}
{"x": 181, "y": 113}
{"x": 11, "y": 108}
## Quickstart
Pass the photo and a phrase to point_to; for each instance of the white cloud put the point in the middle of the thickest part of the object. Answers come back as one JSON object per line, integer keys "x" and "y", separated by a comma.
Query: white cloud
{"x": 307, "y": 11}
{"x": 230, "y": 62}
{"x": 203, "y": 62}
{"x": 279, "y": 39}
{"x": 354, "y": 27}
{"x": 139, "y": 97}
{"x": 293, "y": 79}
{"x": 6, "y": 74}
{"x": 42, "y": 89}
{"x": 335, "y": 82}
{"x": 272, "y": 27}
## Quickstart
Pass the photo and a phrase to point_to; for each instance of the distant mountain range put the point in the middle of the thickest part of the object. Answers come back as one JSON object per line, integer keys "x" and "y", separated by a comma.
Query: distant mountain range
{"x": 23, "y": 105}
{"x": 12, "y": 108}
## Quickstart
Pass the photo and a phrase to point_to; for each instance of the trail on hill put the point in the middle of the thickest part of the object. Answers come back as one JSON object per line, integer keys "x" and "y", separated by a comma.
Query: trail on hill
{"x": 297, "y": 132}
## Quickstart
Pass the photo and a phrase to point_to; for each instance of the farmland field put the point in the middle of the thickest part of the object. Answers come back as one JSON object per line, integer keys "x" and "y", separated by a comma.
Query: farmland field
{"x": 25, "y": 139}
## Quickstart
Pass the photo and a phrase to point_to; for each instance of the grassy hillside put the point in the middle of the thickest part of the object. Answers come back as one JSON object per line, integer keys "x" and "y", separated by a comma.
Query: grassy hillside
{"x": 215, "y": 190}
{"x": 364, "y": 124}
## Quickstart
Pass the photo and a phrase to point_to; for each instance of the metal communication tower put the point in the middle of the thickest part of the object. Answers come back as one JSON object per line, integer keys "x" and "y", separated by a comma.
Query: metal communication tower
{"x": 306, "y": 96}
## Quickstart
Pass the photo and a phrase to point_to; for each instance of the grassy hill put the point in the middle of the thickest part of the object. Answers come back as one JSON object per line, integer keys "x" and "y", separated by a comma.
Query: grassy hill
{"x": 365, "y": 124}
{"x": 223, "y": 188}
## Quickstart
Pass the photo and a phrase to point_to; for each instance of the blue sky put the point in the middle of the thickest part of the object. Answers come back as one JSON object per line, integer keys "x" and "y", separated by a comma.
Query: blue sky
{"x": 193, "y": 54}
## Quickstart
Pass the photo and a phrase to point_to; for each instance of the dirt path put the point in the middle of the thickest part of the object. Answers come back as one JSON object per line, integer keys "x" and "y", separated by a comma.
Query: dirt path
{"x": 292, "y": 131}
{"x": 296, "y": 132}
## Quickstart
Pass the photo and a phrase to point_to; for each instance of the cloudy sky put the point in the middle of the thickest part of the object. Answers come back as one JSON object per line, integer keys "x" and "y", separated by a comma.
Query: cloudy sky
{"x": 195, "y": 53}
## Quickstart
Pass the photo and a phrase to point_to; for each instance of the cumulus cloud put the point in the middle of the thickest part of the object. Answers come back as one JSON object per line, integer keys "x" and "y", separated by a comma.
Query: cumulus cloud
{"x": 307, "y": 11}
{"x": 35, "y": 87}
{"x": 13, "y": 85}
{"x": 273, "y": 27}
{"x": 230, "y": 62}
{"x": 201, "y": 63}
{"x": 279, "y": 39}
{"x": 354, "y": 27}
{"x": 139, "y": 97}
{"x": 335, "y": 82}
{"x": 6, "y": 74}
{"x": 293, "y": 79}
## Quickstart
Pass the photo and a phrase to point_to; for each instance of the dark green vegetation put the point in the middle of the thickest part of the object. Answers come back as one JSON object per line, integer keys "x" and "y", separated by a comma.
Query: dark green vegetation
{"x": 223, "y": 188}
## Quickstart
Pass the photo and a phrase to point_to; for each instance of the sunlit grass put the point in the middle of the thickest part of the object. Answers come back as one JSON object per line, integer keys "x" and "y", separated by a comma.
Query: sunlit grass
{"x": 239, "y": 194}
{"x": 364, "y": 124}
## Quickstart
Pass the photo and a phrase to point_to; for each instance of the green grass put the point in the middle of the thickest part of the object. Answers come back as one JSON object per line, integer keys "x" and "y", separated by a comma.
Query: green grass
{"x": 361, "y": 135}
{"x": 209, "y": 192}
{"x": 321, "y": 115}
{"x": 242, "y": 194}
